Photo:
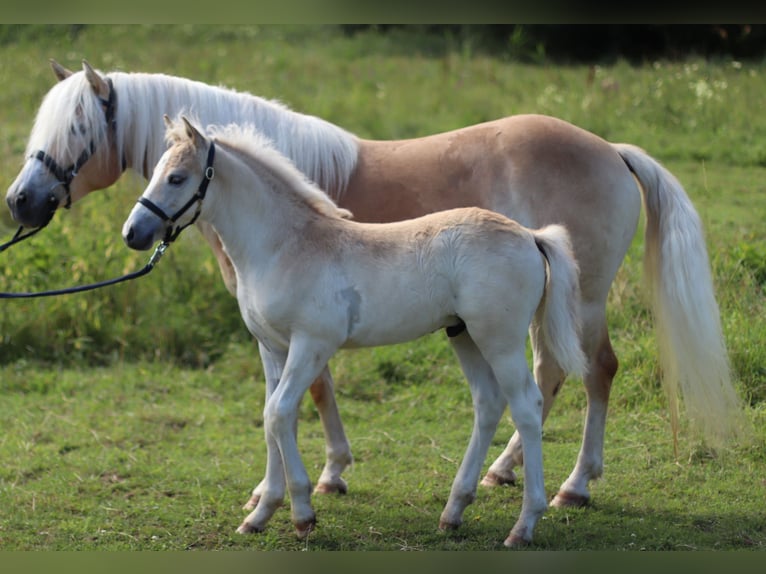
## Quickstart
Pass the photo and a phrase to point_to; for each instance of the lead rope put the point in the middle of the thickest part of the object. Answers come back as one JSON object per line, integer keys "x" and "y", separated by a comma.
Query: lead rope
{"x": 158, "y": 253}
{"x": 18, "y": 237}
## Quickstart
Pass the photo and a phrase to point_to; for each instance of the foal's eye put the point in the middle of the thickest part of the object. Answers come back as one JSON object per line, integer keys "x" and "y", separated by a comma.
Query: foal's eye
{"x": 176, "y": 179}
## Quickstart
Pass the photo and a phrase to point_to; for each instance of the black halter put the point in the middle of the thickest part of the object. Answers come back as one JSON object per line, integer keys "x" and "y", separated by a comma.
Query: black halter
{"x": 66, "y": 175}
{"x": 172, "y": 232}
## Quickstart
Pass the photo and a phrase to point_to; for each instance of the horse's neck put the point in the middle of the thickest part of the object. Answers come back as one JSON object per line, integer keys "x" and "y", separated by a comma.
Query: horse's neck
{"x": 252, "y": 219}
{"x": 324, "y": 152}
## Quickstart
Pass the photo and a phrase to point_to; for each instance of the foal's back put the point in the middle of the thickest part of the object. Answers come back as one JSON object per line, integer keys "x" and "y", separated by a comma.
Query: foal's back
{"x": 403, "y": 280}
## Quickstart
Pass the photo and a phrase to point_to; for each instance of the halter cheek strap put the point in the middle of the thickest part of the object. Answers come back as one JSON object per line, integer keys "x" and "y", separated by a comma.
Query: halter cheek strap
{"x": 66, "y": 175}
{"x": 173, "y": 232}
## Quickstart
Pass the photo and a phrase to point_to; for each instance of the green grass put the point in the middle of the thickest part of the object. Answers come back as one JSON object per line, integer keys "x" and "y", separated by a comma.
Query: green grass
{"x": 131, "y": 418}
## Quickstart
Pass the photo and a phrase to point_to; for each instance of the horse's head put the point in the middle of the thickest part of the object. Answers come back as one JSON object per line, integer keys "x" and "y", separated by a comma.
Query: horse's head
{"x": 72, "y": 147}
{"x": 173, "y": 198}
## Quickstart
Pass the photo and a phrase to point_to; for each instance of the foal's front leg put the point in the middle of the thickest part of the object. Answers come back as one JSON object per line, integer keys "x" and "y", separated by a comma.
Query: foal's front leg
{"x": 270, "y": 492}
{"x": 338, "y": 449}
{"x": 306, "y": 358}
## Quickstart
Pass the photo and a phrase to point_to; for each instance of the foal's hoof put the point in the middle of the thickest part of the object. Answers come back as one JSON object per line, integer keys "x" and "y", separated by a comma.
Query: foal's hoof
{"x": 339, "y": 487}
{"x": 569, "y": 500}
{"x": 444, "y": 525}
{"x": 246, "y": 528}
{"x": 495, "y": 479}
{"x": 252, "y": 503}
{"x": 516, "y": 541}
{"x": 304, "y": 528}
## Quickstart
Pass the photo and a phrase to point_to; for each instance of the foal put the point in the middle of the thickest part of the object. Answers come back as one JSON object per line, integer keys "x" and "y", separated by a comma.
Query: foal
{"x": 310, "y": 281}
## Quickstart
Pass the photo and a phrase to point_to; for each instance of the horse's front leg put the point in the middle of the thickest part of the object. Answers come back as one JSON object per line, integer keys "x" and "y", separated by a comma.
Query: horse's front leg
{"x": 338, "y": 449}
{"x": 270, "y": 492}
{"x": 306, "y": 358}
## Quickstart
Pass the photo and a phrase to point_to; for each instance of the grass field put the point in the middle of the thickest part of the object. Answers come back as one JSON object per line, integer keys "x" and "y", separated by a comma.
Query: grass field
{"x": 131, "y": 418}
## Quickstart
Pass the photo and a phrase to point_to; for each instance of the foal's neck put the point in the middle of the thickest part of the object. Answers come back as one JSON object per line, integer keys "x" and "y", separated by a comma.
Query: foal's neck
{"x": 252, "y": 215}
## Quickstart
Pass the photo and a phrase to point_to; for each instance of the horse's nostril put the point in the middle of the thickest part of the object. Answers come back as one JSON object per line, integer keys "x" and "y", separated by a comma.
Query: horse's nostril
{"x": 130, "y": 235}
{"x": 21, "y": 198}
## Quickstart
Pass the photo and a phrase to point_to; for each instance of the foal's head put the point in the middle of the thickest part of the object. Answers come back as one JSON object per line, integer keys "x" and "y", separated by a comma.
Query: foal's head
{"x": 173, "y": 198}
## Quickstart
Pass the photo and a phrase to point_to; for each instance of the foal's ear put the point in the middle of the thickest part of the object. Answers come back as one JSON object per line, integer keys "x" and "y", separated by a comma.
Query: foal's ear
{"x": 59, "y": 71}
{"x": 193, "y": 132}
{"x": 167, "y": 120}
{"x": 98, "y": 83}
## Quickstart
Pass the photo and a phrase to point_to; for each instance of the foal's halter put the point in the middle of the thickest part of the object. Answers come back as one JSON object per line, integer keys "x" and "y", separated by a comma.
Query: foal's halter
{"x": 66, "y": 175}
{"x": 173, "y": 232}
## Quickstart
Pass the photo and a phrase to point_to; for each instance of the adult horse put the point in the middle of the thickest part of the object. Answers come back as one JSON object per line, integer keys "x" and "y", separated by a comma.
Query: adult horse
{"x": 310, "y": 281}
{"x": 535, "y": 169}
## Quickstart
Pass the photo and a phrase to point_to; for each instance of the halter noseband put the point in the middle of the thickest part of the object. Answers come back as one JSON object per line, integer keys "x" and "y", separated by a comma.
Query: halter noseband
{"x": 173, "y": 232}
{"x": 65, "y": 176}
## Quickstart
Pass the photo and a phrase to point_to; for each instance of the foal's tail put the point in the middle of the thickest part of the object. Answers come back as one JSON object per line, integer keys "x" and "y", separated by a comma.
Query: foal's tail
{"x": 691, "y": 345}
{"x": 561, "y": 303}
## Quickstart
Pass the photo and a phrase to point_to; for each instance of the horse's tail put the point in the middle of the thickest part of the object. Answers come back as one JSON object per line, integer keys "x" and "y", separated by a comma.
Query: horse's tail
{"x": 560, "y": 306}
{"x": 692, "y": 351}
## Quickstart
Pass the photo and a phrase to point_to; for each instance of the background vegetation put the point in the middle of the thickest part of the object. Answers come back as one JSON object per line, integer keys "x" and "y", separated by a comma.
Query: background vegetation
{"x": 130, "y": 417}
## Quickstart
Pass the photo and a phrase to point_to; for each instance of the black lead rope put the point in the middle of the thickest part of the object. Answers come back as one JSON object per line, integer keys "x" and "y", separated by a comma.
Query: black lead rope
{"x": 19, "y": 236}
{"x": 158, "y": 252}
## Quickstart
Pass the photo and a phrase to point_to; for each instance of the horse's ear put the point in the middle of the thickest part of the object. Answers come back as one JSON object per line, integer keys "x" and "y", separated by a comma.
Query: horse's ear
{"x": 193, "y": 132}
{"x": 59, "y": 71}
{"x": 98, "y": 83}
{"x": 167, "y": 120}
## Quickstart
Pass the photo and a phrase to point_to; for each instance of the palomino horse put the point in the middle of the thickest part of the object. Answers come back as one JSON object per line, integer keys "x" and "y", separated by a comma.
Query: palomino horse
{"x": 310, "y": 282}
{"x": 536, "y": 169}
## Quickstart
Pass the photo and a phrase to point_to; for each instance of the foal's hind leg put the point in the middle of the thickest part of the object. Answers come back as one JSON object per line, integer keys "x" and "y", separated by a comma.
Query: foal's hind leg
{"x": 602, "y": 367}
{"x": 525, "y": 401}
{"x": 488, "y": 405}
{"x": 549, "y": 377}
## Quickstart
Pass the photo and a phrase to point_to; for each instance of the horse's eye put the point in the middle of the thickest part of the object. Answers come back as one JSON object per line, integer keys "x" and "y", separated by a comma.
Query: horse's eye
{"x": 176, "y": 179}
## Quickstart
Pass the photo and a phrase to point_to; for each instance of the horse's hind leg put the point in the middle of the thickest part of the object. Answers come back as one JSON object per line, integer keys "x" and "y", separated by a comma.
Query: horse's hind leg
{"x": 602, "y": 367}
{"x": 488, "y": 404}
{"x": 549, "y": 377}
{"x": 526, "y": 402}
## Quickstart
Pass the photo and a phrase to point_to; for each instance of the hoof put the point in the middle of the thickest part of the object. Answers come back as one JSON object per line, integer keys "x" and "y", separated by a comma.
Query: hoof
{"x": 494, "y": 479}
{"x": 246, "y": 528}
{"x": 446, "y": 525}
{"x": 331, "y": 488}
{"x": 303, "y": 529}
{"x": 252, "y": 503}
{"x": 569, "y": 500}
{"x": 515, "y": 541}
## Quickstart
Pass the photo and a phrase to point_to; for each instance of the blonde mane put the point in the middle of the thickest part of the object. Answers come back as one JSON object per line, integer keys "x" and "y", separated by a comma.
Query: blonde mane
{"x": 258, "y": 152}
{"x": 323, "y": 151}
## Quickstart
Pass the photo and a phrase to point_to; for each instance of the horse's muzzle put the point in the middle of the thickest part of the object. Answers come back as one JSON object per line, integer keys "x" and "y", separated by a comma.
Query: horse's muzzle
{"x": 138, "y": 237}
{"x": 32, "y": 209}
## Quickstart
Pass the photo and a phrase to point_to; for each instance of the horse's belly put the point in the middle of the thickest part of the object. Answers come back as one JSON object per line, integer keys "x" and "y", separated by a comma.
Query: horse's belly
{"x": 398, "y": 328}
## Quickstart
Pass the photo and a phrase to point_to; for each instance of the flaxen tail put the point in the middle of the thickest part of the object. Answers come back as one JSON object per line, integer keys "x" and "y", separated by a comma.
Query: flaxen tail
{"x": 561, "y": 302}
{"x": 692, "y": 351}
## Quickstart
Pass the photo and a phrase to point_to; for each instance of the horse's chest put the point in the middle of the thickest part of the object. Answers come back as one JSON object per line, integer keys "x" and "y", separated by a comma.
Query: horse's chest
{"x": 260, "y": 321}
